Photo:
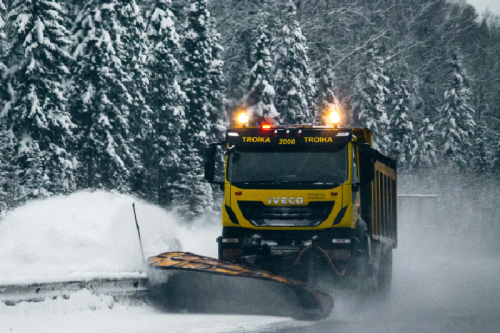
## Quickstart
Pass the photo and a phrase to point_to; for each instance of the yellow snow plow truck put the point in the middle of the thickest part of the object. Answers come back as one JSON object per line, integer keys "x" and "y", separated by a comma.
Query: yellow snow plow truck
{"x": 302, "y": 204}
{"x": 307, "y": 202}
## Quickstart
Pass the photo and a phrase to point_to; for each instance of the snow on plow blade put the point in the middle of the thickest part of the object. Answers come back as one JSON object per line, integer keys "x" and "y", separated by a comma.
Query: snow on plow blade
{"x": 183, "y": 281}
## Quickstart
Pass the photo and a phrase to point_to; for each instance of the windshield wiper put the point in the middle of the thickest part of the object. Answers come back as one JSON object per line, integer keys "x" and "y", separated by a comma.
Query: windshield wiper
{"x": 314, "y": 182}
{"x": 260, "y": 182}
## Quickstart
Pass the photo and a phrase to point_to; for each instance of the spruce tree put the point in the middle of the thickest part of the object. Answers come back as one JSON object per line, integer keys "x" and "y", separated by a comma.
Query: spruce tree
{"x": 370, "y": 100}
{"x": 3, "y": 54}
{"x": 455, "y": 127}
{"x": 292, "y": 82}
{"x": 260, "y": 99}
{"x": 6, "y": 137}
{"x": 203, "y": 86}
{"x": 202, "y": 76}
{"x": 38, "y": 116}
{"x": 4, "y": 172}
{"x": 2, "y": 37}
{"x": 100, "y": 99}
{"x": 425, "y": 156}
{"x": 327, "y": 100}
{"x": 496, "y": 158}
{"x": 134, "y": 40}
{"x": 167, "y": 101}
{"x": 192, "y": 195}
{"x": 483, "y": 157}
{"x": 401, "y": 127}
{"x": 8, "y": 171}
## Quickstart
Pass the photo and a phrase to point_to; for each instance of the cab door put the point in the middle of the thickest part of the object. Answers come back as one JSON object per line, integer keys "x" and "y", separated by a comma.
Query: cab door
{"x": 356, "y": 187}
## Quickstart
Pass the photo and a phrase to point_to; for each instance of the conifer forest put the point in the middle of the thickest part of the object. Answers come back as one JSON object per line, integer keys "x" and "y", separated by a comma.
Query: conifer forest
{"x": 125, "y": 95}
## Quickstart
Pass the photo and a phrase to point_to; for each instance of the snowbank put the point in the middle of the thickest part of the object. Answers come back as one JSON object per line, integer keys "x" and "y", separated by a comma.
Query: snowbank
{"x": 92, "y": 234}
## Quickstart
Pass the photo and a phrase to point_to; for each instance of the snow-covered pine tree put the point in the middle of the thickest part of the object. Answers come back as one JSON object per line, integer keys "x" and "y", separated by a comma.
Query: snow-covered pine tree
{"x": 369, "y": 102}
{"x": 401, "y": 128}
{"x": 192, "y": 195}
{"x": 6, "y": 138}
{"x": 2, "y": 33}
{"x": 38, "y": 117}
{"x": 425, "y": 155}
{"x": 203, "y": 86}
{"x": 3, "y": 54}
{"x": 327, "y": 100}
{"x": 496, "y": 158}
{"x": 100, "y": 99}
{"x": 260, "y": 99}
{"x": 455, "y": 127}
{"x": 292, "y": 81}
{"x": 483, "y": 157}
{"x": 203, "y": 76}
{"x": 134, "y": 40}
{"x": 8, "y": 174}
{"x": 167, "y": 101}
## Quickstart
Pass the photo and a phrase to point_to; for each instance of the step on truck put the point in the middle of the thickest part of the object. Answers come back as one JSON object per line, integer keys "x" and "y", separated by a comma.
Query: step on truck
{"x": 306, "y": 202}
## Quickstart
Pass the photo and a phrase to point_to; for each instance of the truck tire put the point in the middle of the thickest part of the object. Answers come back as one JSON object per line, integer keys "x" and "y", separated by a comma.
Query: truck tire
{"x": 385, "y": 272}
{"x": 362, "y": 265}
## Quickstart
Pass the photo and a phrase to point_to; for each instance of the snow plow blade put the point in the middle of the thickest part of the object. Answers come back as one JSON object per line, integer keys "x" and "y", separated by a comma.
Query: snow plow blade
{"x": 186, "y": 282}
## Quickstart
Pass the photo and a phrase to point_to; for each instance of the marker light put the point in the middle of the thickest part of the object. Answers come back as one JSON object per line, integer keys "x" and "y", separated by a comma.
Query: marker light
{"x": 243, "y": 118}
{"x": 266, "y": 126}
{"x": 334, "y": 117}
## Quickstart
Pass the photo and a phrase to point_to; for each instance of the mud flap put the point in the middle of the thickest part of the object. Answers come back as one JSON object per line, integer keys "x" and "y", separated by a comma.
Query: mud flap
{"x": 186, "y": 282}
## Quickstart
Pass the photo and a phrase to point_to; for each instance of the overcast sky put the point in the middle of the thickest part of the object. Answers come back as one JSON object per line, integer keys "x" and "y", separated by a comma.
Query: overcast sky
{"x": 481, "y": 5}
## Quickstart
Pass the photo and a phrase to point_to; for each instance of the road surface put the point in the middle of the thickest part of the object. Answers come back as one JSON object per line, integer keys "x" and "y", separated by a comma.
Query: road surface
{"x": 440, "y": 285}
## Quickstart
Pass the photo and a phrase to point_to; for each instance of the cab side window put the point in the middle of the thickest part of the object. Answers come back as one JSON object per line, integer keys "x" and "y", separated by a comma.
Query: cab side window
{"x": 354, "y": 166}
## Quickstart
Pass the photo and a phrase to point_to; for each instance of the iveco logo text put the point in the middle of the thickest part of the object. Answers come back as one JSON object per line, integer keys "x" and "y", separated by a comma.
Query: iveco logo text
{"x": 285, "y": 201}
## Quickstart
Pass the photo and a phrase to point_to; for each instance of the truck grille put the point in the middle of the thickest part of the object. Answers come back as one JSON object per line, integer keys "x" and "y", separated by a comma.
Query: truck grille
{"x": 310, "y": 215}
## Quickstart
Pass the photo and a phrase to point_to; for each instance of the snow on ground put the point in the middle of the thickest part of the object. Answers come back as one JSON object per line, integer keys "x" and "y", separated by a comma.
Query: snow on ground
{"x": 92, "y": 234}
{"x": 85, "y": 312}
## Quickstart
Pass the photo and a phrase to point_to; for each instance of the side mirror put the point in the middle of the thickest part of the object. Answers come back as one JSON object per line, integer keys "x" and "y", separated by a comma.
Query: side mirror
{"x": 210, "y": 153}
{"x": 367, "y": 169}
{"x": 210, "y": 163}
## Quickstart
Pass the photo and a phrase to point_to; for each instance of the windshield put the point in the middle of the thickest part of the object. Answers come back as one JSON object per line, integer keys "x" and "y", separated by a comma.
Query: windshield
{"x": 288, "y": 169}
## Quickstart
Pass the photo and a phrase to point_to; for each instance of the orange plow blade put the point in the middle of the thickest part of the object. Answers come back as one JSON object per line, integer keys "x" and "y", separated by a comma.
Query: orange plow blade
{"x": 182, "y": 281}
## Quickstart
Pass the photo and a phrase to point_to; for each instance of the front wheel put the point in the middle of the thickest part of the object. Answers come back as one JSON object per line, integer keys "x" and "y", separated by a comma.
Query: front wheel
{"x": 362, "y": 271}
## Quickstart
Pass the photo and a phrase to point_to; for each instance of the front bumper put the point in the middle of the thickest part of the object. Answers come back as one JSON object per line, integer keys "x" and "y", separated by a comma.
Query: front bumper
{"x": 237, "y": 243}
